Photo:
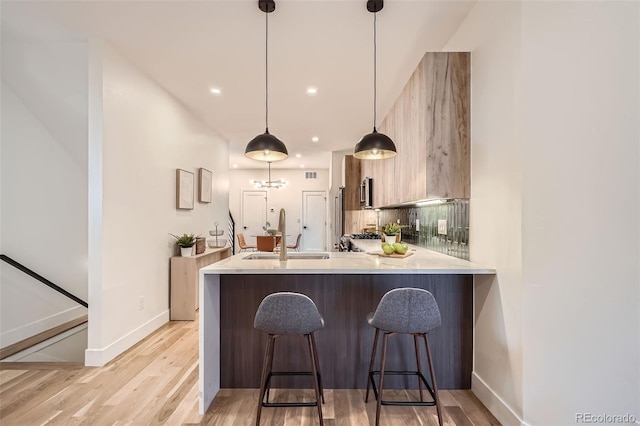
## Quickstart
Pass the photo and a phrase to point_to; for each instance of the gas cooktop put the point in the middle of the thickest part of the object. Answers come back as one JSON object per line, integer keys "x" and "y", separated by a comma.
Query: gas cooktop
{"x": 366, "y": 236}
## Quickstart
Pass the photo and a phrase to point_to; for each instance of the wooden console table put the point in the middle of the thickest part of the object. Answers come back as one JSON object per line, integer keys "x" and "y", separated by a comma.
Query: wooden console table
{"x": 184, "y": 281}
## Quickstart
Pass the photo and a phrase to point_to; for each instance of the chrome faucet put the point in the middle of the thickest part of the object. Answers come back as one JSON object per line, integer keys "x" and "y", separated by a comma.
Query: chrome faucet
{"x": 282, "y": 229}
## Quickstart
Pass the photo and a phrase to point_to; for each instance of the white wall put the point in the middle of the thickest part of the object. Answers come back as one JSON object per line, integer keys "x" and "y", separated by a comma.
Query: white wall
{"x": 492, "y": 33}
{"x": 144, "y": 135}
{"x": 289, "y": 197}
{"x": 581, "y": 325}
{"x": 43, "y": 183}
{"x": 554, "y": 159}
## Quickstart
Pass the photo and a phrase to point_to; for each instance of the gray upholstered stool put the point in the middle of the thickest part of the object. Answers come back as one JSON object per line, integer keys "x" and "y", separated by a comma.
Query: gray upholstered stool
{"x": 404, "y": 311}
{"x": 289, "y": 314}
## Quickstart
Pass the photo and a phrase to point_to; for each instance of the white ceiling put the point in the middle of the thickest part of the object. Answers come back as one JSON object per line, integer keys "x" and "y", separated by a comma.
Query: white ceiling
{"x": 189, "y": 47}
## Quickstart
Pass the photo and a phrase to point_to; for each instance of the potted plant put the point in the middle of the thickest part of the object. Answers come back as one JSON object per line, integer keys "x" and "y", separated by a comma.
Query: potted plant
{"x": 391, "y": 230}
{"x": 186, "y": 242}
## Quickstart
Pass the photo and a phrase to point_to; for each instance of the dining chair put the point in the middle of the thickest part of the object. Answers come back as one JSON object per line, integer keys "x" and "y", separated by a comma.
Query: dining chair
{"x": 242, "y": 243}
{"x": 295, "y": 246}
{"x": 265, "y": 243}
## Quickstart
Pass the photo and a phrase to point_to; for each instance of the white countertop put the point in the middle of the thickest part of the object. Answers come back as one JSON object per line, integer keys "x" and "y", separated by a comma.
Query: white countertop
{"x": 422, "y": 261}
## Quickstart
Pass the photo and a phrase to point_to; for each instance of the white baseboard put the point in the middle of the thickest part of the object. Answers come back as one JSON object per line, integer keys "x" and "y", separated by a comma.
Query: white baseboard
{"x": 15, "y": 335}
{"x": 99, "y": 357}
{"x": 494, "y": 403}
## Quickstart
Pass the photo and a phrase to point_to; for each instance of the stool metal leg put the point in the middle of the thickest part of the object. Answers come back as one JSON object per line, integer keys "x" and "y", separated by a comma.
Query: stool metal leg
{"x": 373, "y": 357}
{"x": 272, "y": 351}
{"x": 433, "y": 380}
{"x": 315, "y": 378}
{"x": 263, "y": 380}
{"x": 384, "y": 353}
{"x": 315, "y": 354}
{"x": 415, "y": 344}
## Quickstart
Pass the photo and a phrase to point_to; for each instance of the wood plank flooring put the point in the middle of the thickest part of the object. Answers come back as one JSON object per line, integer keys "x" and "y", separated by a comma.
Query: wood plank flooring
{"x": 156, "y": 383}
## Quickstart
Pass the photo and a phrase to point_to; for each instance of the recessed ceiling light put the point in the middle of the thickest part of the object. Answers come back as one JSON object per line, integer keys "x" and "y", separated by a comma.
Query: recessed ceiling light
{"x": 315, "y": 139}
{"x": 298, "y": 155}
{"x": 235, "y": 166}
{"x": 215, "y": 91}
{"x": 311, "y": 90}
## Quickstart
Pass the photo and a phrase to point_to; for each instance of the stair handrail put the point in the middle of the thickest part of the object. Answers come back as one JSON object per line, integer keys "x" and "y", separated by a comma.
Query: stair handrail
{"x": 43, "y": 280}
{"x": 232, "y": 233}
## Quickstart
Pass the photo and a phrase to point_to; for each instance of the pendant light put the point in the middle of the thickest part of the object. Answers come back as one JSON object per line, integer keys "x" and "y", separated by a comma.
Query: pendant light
{"x": 375, "y": 146}
{"x": 266, "y": 147}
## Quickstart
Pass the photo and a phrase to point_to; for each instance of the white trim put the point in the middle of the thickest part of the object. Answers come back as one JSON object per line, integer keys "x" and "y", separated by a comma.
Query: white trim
{"x": 55, "y": 339}
{"x": 15, "y": 335}
{"x": 494, "y": 403}
{"x": 95, "y": 159}
{"x": 99, "y": 357}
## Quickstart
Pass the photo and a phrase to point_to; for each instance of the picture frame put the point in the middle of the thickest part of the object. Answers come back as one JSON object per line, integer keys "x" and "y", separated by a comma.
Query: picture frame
{"x": 184, "y": 190}
{"x": 205, "y": 177}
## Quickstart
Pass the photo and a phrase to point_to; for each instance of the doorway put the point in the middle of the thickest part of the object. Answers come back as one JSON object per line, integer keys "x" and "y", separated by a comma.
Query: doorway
{"x": 254, "y": 214}
{"x": 314, "y": 220}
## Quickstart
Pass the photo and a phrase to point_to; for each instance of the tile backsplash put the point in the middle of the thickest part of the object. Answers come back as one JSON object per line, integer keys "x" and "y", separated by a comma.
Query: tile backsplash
{"x": 455, "y": 212}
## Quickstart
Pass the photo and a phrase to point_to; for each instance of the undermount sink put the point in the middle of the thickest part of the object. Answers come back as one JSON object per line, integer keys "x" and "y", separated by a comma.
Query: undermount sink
{"x": 290, "y": 256}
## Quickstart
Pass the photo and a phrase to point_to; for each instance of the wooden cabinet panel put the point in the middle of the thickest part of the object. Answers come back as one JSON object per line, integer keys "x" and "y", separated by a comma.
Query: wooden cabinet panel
{"x": 386, "y": 187}
{"x": 447, "y": 125}
{"x": 184, "y": 281}
{"x": 429, "y": 123}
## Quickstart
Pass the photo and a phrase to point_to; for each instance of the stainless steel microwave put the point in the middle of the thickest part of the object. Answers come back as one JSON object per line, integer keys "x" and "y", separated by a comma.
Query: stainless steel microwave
{"x": 366, "y": 193}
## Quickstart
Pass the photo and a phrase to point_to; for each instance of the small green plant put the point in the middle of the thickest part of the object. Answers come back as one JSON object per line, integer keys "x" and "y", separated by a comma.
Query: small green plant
{"x": 185, "y": 240}
{"x": 393, "y": 228}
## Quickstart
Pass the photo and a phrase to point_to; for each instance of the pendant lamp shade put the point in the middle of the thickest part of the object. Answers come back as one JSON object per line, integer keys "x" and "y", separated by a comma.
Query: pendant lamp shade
{"x": 266, "y": 147}
{"x": 375, "y": 146}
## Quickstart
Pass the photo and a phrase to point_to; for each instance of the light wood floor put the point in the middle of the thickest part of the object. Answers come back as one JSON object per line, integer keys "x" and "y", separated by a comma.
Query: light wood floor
{"x": 156, "y": 383}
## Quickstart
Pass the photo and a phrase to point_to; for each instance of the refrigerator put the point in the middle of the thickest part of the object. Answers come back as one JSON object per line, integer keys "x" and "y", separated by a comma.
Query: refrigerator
{"x": 338, "y": 217}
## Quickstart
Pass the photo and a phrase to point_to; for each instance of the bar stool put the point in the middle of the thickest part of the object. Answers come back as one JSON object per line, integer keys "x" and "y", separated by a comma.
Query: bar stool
{"x": 287, "y": 313}
{"x": 404, "y": 311}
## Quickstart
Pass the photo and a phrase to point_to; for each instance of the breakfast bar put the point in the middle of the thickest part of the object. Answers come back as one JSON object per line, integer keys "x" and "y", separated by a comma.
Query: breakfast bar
{"x": 345, "y": 287}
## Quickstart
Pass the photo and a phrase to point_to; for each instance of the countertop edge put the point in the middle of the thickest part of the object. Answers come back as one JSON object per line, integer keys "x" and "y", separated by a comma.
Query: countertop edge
{"x": 423, "y": 262}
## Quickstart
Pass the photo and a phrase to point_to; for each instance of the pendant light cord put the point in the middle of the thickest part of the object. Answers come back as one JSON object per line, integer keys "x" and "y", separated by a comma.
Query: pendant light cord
{"x": 375, "y": 67}
{"x": 266, "y": 73}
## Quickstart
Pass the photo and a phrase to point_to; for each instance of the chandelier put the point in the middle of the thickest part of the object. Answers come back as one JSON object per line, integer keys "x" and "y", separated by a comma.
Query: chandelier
{"x": 266, "y": 184}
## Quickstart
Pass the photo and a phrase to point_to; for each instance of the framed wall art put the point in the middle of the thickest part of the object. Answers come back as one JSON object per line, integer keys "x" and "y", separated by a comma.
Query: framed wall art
{"x": 204, "y": 194}
{"x": 184, "y": 189}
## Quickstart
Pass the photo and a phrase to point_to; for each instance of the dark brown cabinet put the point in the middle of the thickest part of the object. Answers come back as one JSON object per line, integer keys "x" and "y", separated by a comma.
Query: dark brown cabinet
{"x": 351, "y": 194}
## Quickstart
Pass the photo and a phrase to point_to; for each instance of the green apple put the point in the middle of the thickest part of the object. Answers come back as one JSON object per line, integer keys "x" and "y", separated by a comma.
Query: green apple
{"x": 400, "y": 248}
{"x": 387, "y": 248}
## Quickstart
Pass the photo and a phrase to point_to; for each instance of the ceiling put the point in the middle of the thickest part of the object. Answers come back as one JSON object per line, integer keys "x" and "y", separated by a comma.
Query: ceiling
{"x": 190, "y": 47}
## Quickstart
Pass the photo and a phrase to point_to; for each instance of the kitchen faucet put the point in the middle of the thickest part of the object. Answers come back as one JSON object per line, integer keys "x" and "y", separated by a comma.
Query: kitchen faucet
{"x": 282, "y": 229}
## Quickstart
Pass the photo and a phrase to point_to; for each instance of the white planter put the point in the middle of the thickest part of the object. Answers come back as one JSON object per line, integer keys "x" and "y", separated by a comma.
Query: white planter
{"x": 186, "y": 251}
{"x": 390, "y": 239}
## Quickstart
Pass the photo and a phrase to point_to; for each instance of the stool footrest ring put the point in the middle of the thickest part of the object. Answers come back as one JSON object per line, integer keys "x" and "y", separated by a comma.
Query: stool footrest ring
{"x": 287, "y": 404}
{"x": 403, "y": 403}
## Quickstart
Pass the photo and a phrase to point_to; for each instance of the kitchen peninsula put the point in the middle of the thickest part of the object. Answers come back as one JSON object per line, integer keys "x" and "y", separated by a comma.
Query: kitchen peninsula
{"x": 345, "y": 287}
